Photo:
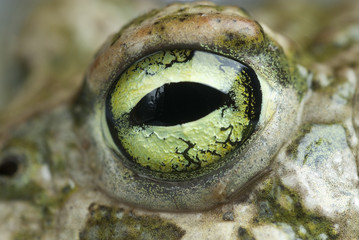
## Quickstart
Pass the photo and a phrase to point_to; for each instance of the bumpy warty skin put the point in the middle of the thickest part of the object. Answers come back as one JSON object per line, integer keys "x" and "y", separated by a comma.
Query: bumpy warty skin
{"x": 296, "y": 177}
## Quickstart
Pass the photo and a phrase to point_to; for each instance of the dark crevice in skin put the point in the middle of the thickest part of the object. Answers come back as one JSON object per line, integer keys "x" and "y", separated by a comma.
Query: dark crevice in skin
{"x": 9, "y": 166}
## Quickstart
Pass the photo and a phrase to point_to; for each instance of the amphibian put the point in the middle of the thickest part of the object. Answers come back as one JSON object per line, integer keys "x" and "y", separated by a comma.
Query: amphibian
{"x": 193, "y": 121}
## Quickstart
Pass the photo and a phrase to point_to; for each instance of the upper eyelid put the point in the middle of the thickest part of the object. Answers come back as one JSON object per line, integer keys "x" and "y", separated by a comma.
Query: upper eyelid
{"x": 138, "y": 41}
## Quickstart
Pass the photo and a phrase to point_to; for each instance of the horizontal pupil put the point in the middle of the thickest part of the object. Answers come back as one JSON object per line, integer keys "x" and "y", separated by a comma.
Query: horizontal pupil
{"x": 177, "y": 103}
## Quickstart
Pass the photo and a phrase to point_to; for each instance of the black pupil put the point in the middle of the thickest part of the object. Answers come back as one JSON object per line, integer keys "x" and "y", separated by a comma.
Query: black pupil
{"x": 177, "y": 103}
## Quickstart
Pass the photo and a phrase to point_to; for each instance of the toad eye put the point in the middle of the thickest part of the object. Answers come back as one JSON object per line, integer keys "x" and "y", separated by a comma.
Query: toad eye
{"x": 183, "y": 110}
{"x": 186, "y": 106}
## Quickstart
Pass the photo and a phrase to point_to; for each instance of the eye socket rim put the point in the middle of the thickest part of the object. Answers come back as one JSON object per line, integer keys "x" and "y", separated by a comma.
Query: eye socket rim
{"x": 203, "y": 193}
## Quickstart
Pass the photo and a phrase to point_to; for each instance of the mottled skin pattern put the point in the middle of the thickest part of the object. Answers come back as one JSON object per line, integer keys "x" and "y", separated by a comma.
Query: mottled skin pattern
{"x": 295, "y": 178}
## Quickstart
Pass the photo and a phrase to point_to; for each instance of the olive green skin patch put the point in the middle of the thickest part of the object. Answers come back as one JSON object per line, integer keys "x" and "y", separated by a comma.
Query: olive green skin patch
{"x": 107, "y": 223}
{"x": 194, "y": 144}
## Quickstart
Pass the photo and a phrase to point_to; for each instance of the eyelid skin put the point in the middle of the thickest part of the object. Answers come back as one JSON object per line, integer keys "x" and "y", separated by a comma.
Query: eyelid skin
{"x": 222, "y": 30}
{"x": 226, "y": 31}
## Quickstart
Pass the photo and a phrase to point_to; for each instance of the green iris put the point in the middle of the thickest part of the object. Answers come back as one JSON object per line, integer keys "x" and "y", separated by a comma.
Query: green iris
{"x": 182, "y": 110}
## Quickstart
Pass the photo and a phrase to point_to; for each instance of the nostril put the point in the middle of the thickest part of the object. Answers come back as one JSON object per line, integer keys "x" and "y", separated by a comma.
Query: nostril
{"x": 9, "y": 166}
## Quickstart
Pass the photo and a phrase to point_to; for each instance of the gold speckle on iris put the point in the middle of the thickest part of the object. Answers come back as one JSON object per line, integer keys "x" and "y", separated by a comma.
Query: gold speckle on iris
{"x": 182, "y": 110}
